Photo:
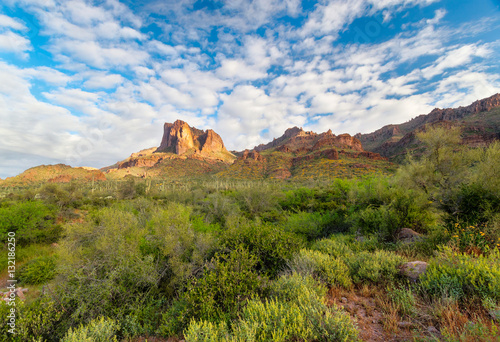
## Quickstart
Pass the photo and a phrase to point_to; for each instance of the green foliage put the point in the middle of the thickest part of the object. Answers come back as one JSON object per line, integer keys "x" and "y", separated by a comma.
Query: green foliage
{"x": 295, "y": 311}
{"x": 460, "y": 276}
{"x": 379, "y": 266}
{"x": 38, "y": 270}
{"x": 171, "y": 233}
{"x": 403, "y": 299}
{"x": 206, "y": 331}
{"x": 32, "y": 221}
{"x": 98, "y": 330}
{"x": 227, "y": 283}
{"x": 38, "y": 320}
{"x": 102, "y": 268}
{"x": 270, "y": 244}
{"x": 332, "y": 271}
{"x": 310, "y": 225}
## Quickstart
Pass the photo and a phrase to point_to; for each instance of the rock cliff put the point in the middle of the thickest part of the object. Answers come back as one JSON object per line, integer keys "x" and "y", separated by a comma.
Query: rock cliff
{"x": 180, "y": 138}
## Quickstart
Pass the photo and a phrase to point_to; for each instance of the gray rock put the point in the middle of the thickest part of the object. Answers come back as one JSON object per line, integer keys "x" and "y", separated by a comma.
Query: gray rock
{"x": 407, "y": 235}
{"x": 413, "y": 269}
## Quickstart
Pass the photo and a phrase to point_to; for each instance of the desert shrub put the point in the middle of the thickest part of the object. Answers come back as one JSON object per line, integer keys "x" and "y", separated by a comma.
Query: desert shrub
{"x": 68, "y": 196}
{"x": 334, "y": 246}
{"x": 102, "y": 269}
{"x": 362, "y": 265}
{"x": 206, "y": 331}
{"x": 32, "y": 221}
{"x": 259, "y": 202}
{"x": 270, "y": 244}
{"x": 98, "y": 330}
{"x": 201, "y": 225}
{"x": 144, "y": 317}
{"x": 301, "y": 199}
{"x": 381, "y": 221}
{"x": 38, "y": 270}
{"x": 37, "y": 320}
{"x": 472, "y": 204}
{"x": 376, "y": 267}
{"x": 217, "y": 208}
{"x": 295, "y": 312}
{"x": 172, "y": 236}
{"x": 310, "y": 225}
{"x": 332, "y": 271}
{"x": 227, "y": 283}
{"x": 459, "y": 276}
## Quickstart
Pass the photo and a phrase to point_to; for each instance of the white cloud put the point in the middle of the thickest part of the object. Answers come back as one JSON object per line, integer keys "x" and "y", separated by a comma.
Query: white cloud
{"x": 103, "y": 81}
{"x": 12, "y": 42}
{"x": 6, "y": 21}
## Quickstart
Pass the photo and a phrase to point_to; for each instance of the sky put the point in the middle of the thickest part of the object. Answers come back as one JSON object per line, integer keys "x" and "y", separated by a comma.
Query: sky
{"x": 87, "y": 83}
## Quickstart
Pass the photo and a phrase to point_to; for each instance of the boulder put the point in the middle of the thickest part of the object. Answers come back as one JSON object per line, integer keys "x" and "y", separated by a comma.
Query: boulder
{"x": 413, "y": 270}
{"x": 407, "y": 235}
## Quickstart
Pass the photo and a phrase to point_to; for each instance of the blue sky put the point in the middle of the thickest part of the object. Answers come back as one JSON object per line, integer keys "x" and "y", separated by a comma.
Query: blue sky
{"x": 87, "y": 83}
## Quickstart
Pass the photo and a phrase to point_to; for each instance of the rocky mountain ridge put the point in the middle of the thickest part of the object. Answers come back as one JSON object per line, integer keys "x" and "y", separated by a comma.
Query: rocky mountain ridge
{"x": 480, "y": 124}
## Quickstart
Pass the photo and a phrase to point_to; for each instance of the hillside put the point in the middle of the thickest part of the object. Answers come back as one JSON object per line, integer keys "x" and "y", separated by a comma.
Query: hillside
{"x": 303, "y": 155}
{"x": 58, "y": 173}
{"x": 480, "y": 124}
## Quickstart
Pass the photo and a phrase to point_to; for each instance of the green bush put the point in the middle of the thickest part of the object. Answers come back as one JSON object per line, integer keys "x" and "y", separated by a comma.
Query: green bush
{"x": 380, "y": 266}
{"x": 310, "y": 225}
{"x": 37, "y": 320}
{"x": 32, "y": 221}
{"x": 332, "y": 271}
{"x": 206, "y": 331}
{"x": 295, "y": 312}
{"x": 380, "y": 221}
{"x": 335, "y": 246}
{"x": 460, "y": 276}
{"x": 272, "y": 246}
{"x": 102, "y": 270}
{"x": 172, "y": 235}
{"x": 98, "y": 330}
{"x": 38, "y": 270}
{"x": 224, "y": 288}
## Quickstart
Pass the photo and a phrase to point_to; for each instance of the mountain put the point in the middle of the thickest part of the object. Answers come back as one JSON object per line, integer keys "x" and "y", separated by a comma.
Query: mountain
{"x": 480, "y": 124}
{"x": 58, "y": 173}
{"x": 300, "y": 154}
{"x": 183, "y": 151}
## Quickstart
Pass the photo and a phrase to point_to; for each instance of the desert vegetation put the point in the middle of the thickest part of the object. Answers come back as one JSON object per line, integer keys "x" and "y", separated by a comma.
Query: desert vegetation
{"x": 218, "y": 259}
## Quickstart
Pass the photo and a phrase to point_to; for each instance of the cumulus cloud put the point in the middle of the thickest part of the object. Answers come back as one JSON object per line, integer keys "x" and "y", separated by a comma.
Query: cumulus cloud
{"x": 248, "y": 69}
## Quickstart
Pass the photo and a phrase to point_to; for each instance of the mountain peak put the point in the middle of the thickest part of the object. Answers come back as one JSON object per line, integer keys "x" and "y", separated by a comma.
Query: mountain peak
{"x": 180, "y": 138}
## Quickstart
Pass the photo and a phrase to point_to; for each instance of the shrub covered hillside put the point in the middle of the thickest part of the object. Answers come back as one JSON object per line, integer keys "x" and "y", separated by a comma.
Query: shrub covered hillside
{"x": 207, "y": 260}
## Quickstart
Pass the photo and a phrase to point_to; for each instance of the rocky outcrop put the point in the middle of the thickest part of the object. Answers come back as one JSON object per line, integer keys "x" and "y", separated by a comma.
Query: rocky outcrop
{"x": 179, "y": 138}
{"x": 254, "y": 155}
{"x": 365, "y": 154}
{"x": 296, "y": 140}
{"x": 394, "y": 140}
